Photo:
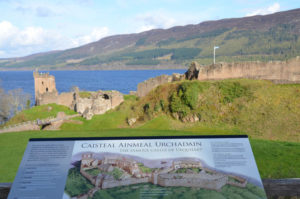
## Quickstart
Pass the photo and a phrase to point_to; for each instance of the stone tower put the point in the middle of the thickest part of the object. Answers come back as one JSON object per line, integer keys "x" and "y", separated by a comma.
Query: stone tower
{"x": 44, "y": 86}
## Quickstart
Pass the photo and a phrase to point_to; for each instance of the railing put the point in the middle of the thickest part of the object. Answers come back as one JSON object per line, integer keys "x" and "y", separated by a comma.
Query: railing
{"x": 275, "y": 188}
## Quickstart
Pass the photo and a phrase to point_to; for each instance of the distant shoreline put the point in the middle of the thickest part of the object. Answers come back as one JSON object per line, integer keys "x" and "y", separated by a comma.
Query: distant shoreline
{"x": 97, "y": 68}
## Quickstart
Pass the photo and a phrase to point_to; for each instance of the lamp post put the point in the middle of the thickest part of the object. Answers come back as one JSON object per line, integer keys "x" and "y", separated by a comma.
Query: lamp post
{"x": 215, "y": 47}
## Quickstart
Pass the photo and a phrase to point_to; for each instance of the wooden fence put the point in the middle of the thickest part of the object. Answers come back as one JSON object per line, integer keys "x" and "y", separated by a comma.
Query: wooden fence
{"x": 275, "y": 188}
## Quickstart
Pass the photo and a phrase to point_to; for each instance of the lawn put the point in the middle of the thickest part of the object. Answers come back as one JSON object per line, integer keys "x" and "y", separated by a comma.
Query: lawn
{"x": 275, "y": 159}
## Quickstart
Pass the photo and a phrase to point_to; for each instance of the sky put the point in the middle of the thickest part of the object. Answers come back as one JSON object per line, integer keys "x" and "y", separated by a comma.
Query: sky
{"x": 33, "y": 26}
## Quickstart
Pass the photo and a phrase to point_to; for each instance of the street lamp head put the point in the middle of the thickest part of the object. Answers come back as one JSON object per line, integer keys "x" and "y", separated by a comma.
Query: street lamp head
{"x": 215, "y": 47}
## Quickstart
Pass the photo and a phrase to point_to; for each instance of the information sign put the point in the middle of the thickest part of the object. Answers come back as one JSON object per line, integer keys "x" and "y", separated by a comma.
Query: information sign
{"x": 138, "y": 167}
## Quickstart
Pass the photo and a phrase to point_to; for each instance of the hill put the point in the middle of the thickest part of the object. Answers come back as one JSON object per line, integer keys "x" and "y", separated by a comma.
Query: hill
{"x": 269, "y": 37}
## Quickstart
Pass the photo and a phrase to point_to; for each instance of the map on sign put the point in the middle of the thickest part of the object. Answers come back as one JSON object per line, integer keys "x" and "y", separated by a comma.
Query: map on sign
{"x": 142, "y": 168}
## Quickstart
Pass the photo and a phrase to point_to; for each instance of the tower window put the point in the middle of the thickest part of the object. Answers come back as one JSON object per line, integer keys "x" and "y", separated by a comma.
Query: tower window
{"x": 46, "y": 89}
{"x": 42, "y": 83}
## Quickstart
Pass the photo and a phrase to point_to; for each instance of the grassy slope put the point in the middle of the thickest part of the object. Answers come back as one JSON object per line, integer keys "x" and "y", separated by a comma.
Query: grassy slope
{"x": 273, "y": 113}
{"x": 39, "y": 112}
{"x": 258, "y": 108}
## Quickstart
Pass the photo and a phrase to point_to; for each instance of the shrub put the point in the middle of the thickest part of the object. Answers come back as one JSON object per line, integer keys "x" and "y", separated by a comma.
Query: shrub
{"x": 146, "y": 108}
{"x": 186, "y": 97}
{"x": 157, "y": 107}
{"x": 162, "y": 104}
{"x": 176, "y": 105}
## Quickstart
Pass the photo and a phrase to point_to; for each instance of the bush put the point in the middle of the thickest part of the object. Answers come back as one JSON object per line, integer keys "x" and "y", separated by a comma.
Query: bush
{"x": 186, "y": 97}
{"x": 157, "y": 108}
{"x": 190, "y": 92}
{"x": 146, "y": 108}
{"x": 176, "y": 105}
{"x": 162, "y": 104}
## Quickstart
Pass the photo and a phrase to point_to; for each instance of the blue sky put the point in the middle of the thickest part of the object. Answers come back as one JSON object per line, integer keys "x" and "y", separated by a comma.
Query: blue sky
{"x": 32, "y": 26}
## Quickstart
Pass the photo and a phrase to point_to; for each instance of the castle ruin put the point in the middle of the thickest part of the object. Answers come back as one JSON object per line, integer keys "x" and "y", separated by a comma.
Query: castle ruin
{"x": 44, "y": 87}
{"x": 97, "y": 103}
{"x": 276, "y": 71}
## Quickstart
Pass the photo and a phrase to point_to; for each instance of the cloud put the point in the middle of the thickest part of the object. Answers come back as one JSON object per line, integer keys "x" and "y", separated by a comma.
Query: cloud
{"x": 95, "y": 35}
{"x": 16, "y": 42}
{"x": 7, "y": 32}
{"x": 153, "y": 20}
{"x": 269, "y": 10}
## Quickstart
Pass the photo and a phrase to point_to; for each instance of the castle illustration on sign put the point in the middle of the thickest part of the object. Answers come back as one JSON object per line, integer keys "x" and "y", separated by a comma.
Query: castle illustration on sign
{"x": 114, "y": 171}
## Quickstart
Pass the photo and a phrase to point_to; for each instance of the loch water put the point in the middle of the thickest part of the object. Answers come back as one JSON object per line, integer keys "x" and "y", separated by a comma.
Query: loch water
{"x": 123, "y": 81}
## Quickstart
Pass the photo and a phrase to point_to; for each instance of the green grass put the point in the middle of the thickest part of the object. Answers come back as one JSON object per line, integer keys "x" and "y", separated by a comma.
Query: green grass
{"x": 145, "y": 169}
{"x": 160, "y": 123}
{"x": 274, "y": 159}
{"x": 110, "y": 120}
{"x": 277, "y": 159}
{"x": 77, "y": 184}
{"x": 39, "y": 112}
{"x": 85, "y": 94}
{"x": 93, "y": 172}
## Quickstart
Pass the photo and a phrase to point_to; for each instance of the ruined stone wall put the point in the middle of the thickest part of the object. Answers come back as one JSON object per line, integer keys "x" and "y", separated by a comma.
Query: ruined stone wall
{"x": 207, "y": 181}
{"x": 116, "y": 183}
{"x": 101, "y": 105}
{"x": 277, "y": 71}
{"x": 145, "y": 87}
{"x": 66, "y": 99}
{"x": 46, "y": 98}
{"x": 98, "y": 103}
{"x": 116, "y": 99}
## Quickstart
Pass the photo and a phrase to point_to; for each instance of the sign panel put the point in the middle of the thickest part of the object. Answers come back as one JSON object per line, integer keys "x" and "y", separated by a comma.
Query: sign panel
{"x": 138, "y": 167}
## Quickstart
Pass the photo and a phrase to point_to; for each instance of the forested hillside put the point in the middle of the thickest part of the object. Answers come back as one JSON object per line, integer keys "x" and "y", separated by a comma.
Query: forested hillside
{"x": 263, "y": 38}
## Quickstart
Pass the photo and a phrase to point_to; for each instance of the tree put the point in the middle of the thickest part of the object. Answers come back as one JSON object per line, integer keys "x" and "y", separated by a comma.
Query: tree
{"x": 4, "y": 106}
{"x": 12, "y": 102}
{"x": 18, "y": 100}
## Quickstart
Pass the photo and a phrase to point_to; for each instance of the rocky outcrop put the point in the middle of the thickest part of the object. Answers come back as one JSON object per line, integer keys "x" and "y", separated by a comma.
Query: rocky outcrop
{"x": 276, "y": 71}
{"x": 193, "y": 71}
{"x": 131, "y": 121}
{"x": 191, "y": 118}
{"x": 145, "y": 87}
